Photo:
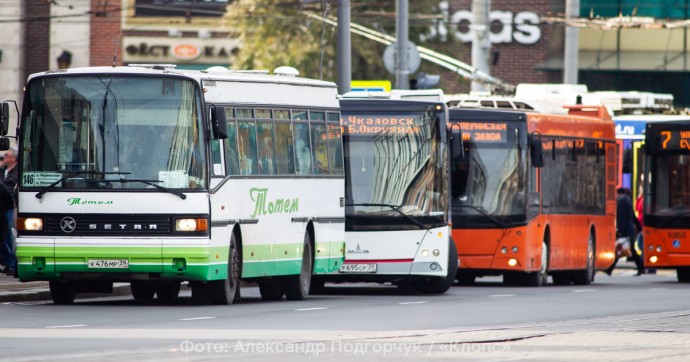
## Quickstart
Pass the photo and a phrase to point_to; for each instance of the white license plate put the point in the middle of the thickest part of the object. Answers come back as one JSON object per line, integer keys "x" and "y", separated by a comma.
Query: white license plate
{"x": 357, "y": 268}
{"x": 109, "y": 264}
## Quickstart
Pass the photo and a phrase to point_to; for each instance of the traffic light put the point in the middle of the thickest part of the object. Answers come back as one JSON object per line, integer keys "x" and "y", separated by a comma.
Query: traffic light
{"x": 425, "y": 81}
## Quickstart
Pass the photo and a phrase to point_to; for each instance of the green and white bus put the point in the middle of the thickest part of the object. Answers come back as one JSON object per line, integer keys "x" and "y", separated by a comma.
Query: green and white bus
{"x": 155, "y": 176}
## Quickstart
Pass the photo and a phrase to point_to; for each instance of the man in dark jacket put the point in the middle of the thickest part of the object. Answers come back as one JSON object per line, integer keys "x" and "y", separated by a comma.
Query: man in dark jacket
{"x": 626, "y": 224}
{"x": 7, "y": 257}
{"x": 10, "y": 178}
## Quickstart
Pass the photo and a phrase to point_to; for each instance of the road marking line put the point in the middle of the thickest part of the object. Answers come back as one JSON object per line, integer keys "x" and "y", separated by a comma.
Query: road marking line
{"x": 583, "y": 290}
{"x": 406, "y": 303}
{"x": 502, "y": 295}
{"x": 196, "y": 318}
{"x": 68, "y": 326}
{"x": 307, "y": 309}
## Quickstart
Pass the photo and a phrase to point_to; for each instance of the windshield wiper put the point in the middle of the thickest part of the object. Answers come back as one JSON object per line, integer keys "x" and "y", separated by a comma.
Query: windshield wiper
{"x": 484, "y": 213}
{"x": 395, "y": 208}
{"x": 154, "y": 184}
{"x": 68, "y": 174}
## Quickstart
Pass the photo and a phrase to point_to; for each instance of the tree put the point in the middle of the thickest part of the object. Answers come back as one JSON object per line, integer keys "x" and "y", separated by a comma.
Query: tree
{"x": 278, "y": 32}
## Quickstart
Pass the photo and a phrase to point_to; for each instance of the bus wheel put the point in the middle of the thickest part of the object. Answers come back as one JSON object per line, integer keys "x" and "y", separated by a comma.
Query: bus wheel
{"x": 142, "y": 290}
{"x": 296, "y": 287}
{"x": 224, "y": 291}
{"x": 683, "y": 275}
{"x": 167, "y": 291}
{"x": 270, "y": 289}
{"x": 539, "y": 278}
{"x": 440, "y": 285}
{"x": 61, "y": 292}
{"x": 586, "y": 276}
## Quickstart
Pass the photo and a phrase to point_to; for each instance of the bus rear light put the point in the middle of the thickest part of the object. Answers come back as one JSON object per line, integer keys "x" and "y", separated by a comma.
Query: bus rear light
{"x": 504, "y": 250}
{"x": 190, "y": 225}
{"x": 512, "y": 262}
{"x": 653, "y": 259}
{"x": 30, "y": 224}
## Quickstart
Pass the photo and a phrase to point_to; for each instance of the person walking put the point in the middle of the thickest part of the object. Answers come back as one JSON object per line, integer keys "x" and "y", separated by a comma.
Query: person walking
{"x": 625, "y": 227}
{"x": 9, "y": 179}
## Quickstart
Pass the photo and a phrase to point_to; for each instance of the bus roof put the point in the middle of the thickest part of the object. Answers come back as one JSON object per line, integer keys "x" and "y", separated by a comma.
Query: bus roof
{"x": 211, "y": 74}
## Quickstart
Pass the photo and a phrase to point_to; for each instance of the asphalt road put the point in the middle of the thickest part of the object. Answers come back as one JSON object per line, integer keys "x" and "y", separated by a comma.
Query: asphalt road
{"x": 617, "y": 318}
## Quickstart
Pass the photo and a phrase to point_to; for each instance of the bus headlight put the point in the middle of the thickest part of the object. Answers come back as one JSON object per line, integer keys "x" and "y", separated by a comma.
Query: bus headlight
{"x": 31, "y": 224}
{"x": 512, "y": 262}
{"x": 658, "y": 249}
{"x": 188, "y": 225}
{"x": 504, "y": 250}
{"x": 425, "y": 252}
{"x": 515, "y": 249}
{"x": 436, "y": 252}
{"x": 653, "y": 259}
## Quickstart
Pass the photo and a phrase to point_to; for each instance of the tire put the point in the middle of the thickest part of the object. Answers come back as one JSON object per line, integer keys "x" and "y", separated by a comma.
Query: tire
{"x": 61, "y": 292}
{"x": 296, "y": 287}
{"x": 440, "y": 285}
{"x": 270, "y": 289}
{"x": 142, "y": 290}
{"x": 683, "y": 275}
{"x": 539, "y": 278}
{"x": 167, "y": 291}
{"x": 224, "y": 292}
{"x": 586, "y": 276}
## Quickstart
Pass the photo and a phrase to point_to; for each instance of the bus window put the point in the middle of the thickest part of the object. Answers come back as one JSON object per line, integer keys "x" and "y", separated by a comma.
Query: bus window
{"x": 217, "y": 168}
{"x": 318, "y": 136}
{"x": 302, "y": 149}
{"x": 231, "y": 149}
{"x": 246, "y": 140}
{"x": 335, "y": 147}
{"x": 285, "y": 156}
{"x": 264, "y": 133}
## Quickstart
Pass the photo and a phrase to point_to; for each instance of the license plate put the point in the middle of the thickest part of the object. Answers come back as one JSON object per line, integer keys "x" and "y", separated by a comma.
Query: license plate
{"x": 109, "y": 264}
{"x": 357, "y": 268}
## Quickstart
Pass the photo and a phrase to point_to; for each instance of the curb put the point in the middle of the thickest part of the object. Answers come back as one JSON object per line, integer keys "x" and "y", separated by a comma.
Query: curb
{"x": 43, "y": 294}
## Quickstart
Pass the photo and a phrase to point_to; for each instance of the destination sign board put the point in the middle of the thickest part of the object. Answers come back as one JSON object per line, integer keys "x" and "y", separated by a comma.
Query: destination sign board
{"x": 668, "y": 138}
{"x": 380, "y": 124}
{"x": 494, "y": 132}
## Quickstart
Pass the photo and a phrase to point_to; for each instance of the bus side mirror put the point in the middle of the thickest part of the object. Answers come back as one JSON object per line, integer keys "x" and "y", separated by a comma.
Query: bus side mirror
{"x": 536, "y": 153}
{"x": 4, "y": 143}
{"x": 219, "y": 122}
{"x": 4, "y": 118}
{"x": 457, "y": 152}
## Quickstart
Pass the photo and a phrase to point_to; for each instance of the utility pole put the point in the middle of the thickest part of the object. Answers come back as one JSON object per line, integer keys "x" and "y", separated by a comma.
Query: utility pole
{"x": 481, "y": 45}
{"x": 344, "y": 47}
{"x": 572, "y": 34}
{"x": 402, "y": 66}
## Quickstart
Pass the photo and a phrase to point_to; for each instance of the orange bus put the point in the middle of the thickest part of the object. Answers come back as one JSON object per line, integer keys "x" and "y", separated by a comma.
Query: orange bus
{"x": 534, "y": 195}
{"x": 667, "y": 197}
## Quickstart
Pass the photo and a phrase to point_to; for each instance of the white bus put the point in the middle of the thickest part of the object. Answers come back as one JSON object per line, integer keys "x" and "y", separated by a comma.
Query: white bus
{"x": 155, "y": 176}
{"x": 397, "y": 198}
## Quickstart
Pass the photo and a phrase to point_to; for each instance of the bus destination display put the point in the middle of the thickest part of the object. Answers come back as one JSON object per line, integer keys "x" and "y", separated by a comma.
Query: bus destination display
{"x": 494, "y": 132}
{"x": 674, "y": 139}
{"x": 380, "y": 124}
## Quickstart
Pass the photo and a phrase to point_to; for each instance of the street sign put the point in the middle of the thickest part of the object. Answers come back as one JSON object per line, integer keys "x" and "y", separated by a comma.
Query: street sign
{"x": 413, "y": 59}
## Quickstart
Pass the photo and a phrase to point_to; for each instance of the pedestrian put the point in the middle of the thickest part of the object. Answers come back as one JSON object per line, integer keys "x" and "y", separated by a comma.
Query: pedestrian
{"x": 626, "y": 225}
{"x": 9, "y": 179}
{"x": 7, "y": 256}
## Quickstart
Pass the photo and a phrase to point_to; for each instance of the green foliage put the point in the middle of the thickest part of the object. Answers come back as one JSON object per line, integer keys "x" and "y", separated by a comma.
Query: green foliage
{"x": 278, "y": 32}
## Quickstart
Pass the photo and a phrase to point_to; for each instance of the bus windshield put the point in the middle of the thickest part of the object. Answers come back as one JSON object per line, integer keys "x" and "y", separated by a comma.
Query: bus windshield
{"x": 489, "y": 183}
{"x": 394, "y": 169}
{"x": 84, "y": 132}
{"x": 670, "y": 189}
